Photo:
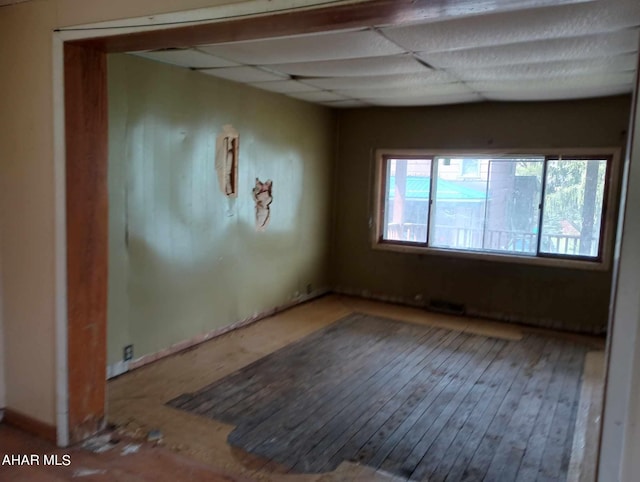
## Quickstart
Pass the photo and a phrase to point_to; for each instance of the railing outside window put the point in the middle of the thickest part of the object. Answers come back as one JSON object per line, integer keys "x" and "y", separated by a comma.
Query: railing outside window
{"x": 494, "y": 240}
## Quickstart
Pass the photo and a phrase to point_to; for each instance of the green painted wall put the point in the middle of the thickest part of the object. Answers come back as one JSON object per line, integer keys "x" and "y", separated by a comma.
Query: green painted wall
{"x": 547, "y": 296}
{"x": 183, "y": 258}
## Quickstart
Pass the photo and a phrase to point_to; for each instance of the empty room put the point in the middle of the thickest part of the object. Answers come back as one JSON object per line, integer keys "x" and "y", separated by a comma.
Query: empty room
{"x": 311, "y": 240}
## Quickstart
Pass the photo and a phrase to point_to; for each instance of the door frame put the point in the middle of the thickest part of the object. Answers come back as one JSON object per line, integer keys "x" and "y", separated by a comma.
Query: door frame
{"x": 81, "y": 161}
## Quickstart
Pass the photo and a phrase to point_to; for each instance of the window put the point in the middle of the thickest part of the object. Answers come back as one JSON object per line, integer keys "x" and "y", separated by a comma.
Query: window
{"x": 529, "y": 205}
{"x": 407, "y": 199}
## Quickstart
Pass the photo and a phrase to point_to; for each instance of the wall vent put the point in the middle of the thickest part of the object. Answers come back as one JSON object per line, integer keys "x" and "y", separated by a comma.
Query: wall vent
{"x": 449, "y": 307}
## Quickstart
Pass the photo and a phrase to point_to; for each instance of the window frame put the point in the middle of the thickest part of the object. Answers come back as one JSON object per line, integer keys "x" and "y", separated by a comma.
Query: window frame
{"x": 607, "y": 227}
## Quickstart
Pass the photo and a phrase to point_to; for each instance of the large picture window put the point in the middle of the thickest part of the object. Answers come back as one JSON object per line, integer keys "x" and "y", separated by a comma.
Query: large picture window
{"x": 534, "y": 205}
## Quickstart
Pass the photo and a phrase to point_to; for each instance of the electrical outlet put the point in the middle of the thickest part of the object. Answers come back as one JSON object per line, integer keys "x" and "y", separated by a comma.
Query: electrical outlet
{"x": 128, "y": 353}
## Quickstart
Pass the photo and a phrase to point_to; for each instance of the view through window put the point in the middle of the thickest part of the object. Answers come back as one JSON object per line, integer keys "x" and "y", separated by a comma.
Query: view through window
{"x": 523, "y": 205}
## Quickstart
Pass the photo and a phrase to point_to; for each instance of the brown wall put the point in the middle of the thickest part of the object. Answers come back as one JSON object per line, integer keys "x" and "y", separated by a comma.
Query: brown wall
{"x": 572, "y": 299}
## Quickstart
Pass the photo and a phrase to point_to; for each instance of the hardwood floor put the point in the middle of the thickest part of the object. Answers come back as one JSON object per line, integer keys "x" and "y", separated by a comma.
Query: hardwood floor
{"x": 419, "y": 402}
{"x": 435, "y": 396}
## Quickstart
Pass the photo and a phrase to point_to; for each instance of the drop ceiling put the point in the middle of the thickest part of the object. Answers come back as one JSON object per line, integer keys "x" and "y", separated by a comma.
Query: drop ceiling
{"x": 565, "y": 51}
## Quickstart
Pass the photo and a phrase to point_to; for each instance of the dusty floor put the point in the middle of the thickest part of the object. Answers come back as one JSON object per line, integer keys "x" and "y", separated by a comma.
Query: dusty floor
{"x": 137, "y": 400}
{"x": 127, "y": 460}
{"x": 195, "y": 448}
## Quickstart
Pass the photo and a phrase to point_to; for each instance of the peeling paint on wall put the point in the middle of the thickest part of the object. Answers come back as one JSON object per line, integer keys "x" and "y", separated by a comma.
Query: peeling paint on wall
{"x": 227, "y": 150}
{"x": 263, "y": 198}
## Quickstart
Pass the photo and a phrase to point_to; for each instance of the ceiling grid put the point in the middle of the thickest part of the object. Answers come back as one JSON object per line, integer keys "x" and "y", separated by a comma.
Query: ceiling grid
{"x": 564, "y": 51}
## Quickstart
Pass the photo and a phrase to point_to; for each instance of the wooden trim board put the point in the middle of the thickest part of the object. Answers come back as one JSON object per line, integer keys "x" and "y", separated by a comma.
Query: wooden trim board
{"x": 29, "y": 424}
{"x": 86, "y": 123}
{"x": 582, "y": 467}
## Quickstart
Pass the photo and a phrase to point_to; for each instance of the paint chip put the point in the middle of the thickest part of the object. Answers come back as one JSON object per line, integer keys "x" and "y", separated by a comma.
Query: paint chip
{"x": 154, "y": 436}
{"x": 99, "y": 444}
{"x": 130, "y": 449}
{"x": 82, "y": 472}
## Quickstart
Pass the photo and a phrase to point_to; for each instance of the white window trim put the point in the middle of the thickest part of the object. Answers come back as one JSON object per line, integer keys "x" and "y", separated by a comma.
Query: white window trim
{"x": 604, "y": 263}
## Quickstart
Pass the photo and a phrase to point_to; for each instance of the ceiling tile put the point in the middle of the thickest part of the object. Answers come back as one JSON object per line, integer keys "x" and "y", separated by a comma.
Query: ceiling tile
{"x": 518, "y": 26}
{"x": 499, "y": 52}
{"x": 307, "y": 48}
{"x": 413, "y": 100}
{"x": 318, "y": 96}
{"x": 405, "y": 81}
{"x": 397, "y": 64}
{"x": 346, "y": 103}
{"x": 620, "y": 79}
{"x": 284, "y": 86}
{"x": 418, "y": 91}
{"x": 243, "y": 74}
{"x": 585, "y": 47}
{"x": 186, "y": 58}
{"x": 557, "y": 94}
{"x": 550, "y": 70}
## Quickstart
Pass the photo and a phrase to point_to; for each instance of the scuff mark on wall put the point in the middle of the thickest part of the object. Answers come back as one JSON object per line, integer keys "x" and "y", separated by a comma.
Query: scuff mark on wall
{"x": 263, "y": 197}
{"x": 227, "y": 150}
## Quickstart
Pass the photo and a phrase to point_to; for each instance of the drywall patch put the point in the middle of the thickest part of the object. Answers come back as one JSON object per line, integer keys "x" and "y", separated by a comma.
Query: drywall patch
{"x": 227, "y": 151}
{"x": 262, "y": 195}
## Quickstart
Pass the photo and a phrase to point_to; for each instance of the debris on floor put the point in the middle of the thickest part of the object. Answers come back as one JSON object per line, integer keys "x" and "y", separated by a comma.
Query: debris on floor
{"x": 99, "y": 443}
{"x": 130, "y": 449}
{"x": 132, "y": 429}
{"x": 154, "y": 435}
{"x": 82, "y": 472}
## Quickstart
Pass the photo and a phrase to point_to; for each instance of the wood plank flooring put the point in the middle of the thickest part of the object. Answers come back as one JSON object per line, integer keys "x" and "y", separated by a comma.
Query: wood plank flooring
{"x": 421, "y": 402}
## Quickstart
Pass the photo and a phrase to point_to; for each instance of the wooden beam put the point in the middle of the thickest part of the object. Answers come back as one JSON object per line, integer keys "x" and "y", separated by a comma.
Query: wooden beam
{"x": 86, "y": 123}
{"x": 311, "y": 20}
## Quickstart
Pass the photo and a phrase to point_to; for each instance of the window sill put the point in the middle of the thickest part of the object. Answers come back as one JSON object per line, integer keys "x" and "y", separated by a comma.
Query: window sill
{"x": 408, "y": 248}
